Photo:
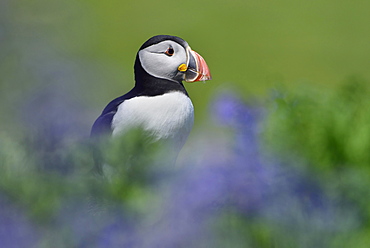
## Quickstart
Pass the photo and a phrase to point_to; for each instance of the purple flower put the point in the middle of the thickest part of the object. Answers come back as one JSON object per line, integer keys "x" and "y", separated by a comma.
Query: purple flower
{"x": 16, "y": 231}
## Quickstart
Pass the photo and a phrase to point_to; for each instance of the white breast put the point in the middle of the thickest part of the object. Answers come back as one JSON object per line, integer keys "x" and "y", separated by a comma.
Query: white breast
{"x": 165, "y": 116}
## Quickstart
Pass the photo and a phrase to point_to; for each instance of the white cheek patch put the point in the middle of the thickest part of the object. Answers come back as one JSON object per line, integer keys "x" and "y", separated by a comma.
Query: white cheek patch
{"x": 158, "y": 64}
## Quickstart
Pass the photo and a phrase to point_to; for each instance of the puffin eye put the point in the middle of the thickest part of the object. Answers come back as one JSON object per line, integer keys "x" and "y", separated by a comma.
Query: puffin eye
{"x": 169, "y": 51}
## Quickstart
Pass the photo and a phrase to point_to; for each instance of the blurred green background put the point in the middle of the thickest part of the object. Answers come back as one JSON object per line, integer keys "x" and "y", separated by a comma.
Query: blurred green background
{"x": 252, "y": 46}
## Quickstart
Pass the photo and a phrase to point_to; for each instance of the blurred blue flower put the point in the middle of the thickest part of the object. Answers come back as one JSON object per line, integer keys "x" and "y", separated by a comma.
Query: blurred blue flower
{"x": 228, "y": 109}
{"x": 15, "y": 230}
{"x": 243, "y": 178}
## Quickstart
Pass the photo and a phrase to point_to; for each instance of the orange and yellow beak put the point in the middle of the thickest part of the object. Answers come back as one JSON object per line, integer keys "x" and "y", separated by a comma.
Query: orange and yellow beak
{"x": 197, "y": 68}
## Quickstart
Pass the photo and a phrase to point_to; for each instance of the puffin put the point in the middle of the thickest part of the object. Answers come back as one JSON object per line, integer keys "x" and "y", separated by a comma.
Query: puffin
{"x": 158, "y": 104}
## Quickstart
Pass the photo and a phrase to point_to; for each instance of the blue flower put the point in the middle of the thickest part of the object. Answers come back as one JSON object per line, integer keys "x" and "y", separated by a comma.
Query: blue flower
{"x": 15, "y": 230}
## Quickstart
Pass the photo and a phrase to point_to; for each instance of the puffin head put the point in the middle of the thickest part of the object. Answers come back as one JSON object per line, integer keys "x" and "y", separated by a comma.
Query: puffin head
{"x": 171, "y": 58}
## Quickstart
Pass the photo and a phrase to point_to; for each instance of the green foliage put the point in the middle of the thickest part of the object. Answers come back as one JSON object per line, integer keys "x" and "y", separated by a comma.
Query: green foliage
{"x": 329, "y": 132}
{"x": 329, "y": 128}
{"x": 131, "y": 165}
